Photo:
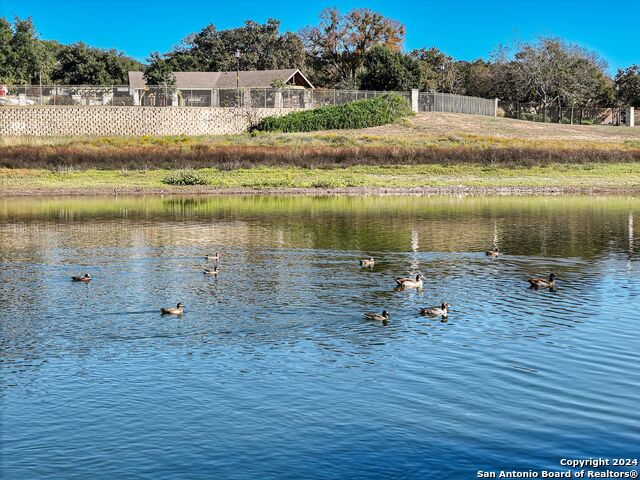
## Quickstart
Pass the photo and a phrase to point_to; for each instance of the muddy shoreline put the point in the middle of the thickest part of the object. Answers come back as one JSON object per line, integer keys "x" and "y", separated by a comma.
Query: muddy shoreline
{"x": 347, "y": 191}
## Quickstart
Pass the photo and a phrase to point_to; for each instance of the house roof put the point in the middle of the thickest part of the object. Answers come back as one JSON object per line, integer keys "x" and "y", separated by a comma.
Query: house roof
{"x": 249, "y": 78}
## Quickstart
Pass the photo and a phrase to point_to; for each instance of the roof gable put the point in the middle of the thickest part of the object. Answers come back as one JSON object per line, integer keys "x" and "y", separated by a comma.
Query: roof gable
{"x": 246, "y": 79}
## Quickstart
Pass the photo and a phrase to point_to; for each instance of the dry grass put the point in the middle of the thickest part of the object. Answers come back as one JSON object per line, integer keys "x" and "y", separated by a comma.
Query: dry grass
{"x": 434, "y": 138}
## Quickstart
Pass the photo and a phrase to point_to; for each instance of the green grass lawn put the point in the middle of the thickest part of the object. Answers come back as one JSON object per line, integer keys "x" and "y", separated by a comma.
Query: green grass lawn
{"x": 611, "y": 176}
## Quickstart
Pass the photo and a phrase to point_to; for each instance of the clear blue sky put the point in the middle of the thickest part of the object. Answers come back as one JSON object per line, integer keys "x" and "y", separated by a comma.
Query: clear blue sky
{"x": 465, "y": 29}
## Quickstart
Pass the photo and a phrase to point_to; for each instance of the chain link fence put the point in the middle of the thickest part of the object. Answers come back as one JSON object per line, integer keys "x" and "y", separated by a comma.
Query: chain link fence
{"x": 160, "y": 96}
{"x": 452, "y": 103}
{"x": 572, "y": 115}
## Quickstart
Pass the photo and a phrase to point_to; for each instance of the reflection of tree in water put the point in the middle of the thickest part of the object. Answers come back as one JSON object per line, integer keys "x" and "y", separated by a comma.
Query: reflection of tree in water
{"x": 557, "y": 227}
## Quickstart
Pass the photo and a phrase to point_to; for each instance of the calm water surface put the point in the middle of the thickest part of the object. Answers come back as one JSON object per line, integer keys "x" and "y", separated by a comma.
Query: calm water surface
{"x": 273, "y": 372}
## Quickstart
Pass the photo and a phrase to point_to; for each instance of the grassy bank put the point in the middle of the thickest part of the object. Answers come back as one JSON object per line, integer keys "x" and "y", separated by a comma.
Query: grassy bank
{"x": 572, "y": 177}
{"x": 444, "y": 139}
{"x": 428, "y": 151}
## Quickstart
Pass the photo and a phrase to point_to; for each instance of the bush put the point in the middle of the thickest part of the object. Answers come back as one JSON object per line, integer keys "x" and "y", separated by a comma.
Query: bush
{"x": 186, "y": 178}
{"x": 381, "y": 110}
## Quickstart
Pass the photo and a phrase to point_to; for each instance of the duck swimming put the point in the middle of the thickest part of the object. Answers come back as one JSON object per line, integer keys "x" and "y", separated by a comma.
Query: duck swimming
{"x": 410, "y": 282}
{"x": 495, "y": 252}
{"x": 215, "y": 257}
{"x": 178, "y": 310}
{"x": 209, "y": 271}
{"x": 442, "y": 310}
{"x": 367, "y": 262}
{"x": 383, "y": 317}
{"x": 543, "y": 283}
{"x": 77, "y": 278}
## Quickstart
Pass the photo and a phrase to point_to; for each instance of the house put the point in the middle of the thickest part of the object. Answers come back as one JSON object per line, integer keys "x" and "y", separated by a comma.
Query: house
{"x": 256, "y": 88}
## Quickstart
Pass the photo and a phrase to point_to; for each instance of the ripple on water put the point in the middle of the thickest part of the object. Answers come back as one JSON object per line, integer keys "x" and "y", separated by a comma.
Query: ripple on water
{"x": 273, "y": 360}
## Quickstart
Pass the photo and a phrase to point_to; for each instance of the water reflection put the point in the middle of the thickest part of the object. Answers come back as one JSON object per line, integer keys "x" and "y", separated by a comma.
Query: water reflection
{"x": 274, "y": 350}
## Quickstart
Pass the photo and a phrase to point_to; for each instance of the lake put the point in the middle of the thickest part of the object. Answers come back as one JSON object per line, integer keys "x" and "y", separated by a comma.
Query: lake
{"x": 273, "y": 372}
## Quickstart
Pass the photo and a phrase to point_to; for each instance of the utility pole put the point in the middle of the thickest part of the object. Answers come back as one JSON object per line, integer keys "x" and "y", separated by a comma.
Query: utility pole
{"x": 237, "y": 78}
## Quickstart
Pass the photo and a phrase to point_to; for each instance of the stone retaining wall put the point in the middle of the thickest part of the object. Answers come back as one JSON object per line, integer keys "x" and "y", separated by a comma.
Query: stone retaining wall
{"x": 105, "y": 121}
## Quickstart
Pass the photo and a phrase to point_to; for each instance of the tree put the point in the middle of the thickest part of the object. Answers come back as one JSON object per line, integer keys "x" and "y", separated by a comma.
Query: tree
{"x": 390, "y": 70}
{"x": 29, "y": 61}
{"x": 478, "y": 78}
{"x": 553, "y": 71}
{"x": 337, "y": 46}
{"x": 440, "y": 72}
{"x": 6, "y": 58}
{"x": 628, "y": 81}
{"x": 261, "y": 46}
{"x": 159, "y": 71}
{"x": 25, "y": 59}
{"x": 79, "y": 64}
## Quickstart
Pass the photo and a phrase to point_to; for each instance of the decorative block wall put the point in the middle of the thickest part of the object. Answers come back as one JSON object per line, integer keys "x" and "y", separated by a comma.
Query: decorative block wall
{"x": 106, "y": 121}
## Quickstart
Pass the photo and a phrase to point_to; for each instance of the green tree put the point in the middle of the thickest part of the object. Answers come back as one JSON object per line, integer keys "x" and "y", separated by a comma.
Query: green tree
{"x": 390, "y": 70}
{"x": 28, "y": 58}
{"x": 338, "y": 45}
{"x": 440, "y": 72}
{"x": 6, "y": 56}
{"x": 79, "y": 64}
{"x": 261, "y": 46}
{"x": 628, "y": 81}
{"x": 159, "y": 71}
{"x": 25, "y": 59}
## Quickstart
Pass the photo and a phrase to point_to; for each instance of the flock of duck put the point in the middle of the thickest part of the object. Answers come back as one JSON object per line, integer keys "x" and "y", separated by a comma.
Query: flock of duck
{"x": 443, "y": 309}
{"x": 402, "y": 283}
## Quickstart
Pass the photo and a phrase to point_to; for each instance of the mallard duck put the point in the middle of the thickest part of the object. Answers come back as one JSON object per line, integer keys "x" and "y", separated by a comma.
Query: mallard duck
{"x": 410, "y": 282}
{"x": 209, "y": 271}
{"x": 215, "y": 257}
{"x": 367, "y": 262}
{"x": 493, "y": 253}
{"x": 543, "y": 283}
{"x": 78, "y": 278}
{"x": 178, "y": 310}
{"x": 383, "y": 317}
{"x": 442, "y": 310}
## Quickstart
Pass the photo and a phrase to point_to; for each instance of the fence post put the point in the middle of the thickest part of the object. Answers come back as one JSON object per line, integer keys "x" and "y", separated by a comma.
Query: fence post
{"x": 414, "y": 100}
{"x": 277, "y": 102}
{"x": 495, "y": 108}
{"x": 630, "y": 117}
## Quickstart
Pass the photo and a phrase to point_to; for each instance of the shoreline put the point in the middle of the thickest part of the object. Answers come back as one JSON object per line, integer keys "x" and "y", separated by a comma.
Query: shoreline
{"x": 460, "y": 190}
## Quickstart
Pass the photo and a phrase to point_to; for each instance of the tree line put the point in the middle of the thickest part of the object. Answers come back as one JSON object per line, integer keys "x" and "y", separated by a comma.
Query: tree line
{"x": 359, "y": 49}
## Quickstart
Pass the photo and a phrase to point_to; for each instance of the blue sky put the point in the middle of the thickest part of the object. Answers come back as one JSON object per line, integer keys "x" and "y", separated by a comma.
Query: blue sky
{"x": 466, "y": 29}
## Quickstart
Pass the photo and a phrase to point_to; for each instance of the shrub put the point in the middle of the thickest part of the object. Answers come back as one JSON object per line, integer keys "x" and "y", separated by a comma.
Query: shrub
{"x": 186, "y": 177}
{"x": 381, "y": 110}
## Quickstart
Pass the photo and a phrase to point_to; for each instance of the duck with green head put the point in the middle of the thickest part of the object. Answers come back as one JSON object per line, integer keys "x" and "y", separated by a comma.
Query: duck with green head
{"x": 542, "y": 282}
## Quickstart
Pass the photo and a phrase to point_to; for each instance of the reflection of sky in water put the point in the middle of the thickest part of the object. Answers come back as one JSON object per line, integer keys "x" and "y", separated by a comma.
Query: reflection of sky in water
{"x": 272, "y": 369}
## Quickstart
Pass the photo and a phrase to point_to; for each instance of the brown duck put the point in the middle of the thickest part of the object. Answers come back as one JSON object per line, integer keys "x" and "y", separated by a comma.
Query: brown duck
{"x": 178, "y": 310}
{"x": 378, "y": 317}
{"x": 410, "y": 282}
{"x": 442, "y": 310}
{"x": 77, "y": 278}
